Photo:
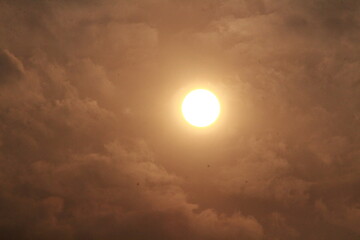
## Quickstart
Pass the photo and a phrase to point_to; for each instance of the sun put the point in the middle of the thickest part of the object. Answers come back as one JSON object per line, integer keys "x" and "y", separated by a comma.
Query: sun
{"x": 200, "y": 108}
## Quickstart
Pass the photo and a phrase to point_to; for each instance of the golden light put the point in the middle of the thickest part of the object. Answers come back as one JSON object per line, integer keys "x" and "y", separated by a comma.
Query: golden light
{"x": 200, "y": 108}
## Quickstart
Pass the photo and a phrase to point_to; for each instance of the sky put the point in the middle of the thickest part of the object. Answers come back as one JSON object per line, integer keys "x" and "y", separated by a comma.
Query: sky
{"x": 93, "y": 145}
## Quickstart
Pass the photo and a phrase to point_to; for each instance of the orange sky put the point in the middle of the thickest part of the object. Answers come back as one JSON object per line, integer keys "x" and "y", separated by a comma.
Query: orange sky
{"x": 93, "y": 144}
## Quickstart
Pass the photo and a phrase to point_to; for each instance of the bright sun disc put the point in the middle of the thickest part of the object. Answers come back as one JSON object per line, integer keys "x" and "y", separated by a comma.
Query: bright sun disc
{"x": 200, "y": 108}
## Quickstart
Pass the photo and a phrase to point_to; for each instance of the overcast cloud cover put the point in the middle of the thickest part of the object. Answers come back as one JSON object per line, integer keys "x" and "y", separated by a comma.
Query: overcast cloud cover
{"x": 92, "y": 146}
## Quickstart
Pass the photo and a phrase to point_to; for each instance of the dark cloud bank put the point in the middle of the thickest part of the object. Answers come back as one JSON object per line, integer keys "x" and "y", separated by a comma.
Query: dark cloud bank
{"x": 90, "y": 147}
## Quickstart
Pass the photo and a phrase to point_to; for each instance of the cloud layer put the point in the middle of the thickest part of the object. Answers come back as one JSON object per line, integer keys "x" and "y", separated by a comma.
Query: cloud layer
{"x": 92, "y": 148}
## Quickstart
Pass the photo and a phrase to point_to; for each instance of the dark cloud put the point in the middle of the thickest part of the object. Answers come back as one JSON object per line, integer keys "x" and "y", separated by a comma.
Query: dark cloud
{"x": 92, "y": 148}
{"x": 11, "y": 68}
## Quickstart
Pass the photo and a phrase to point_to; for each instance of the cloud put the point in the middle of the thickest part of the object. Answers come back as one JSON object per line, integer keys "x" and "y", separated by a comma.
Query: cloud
{"x": 67, "y": 176}
{"x": 88, "y": 149}
{"x": 11, "y": 67}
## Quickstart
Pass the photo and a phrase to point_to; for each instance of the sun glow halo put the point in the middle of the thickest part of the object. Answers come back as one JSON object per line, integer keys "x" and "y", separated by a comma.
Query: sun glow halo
{"x": 200, "y": 108}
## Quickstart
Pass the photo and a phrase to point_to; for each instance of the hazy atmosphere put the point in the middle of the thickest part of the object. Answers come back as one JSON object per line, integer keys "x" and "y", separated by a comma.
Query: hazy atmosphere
{"x": 93, "y": 145}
